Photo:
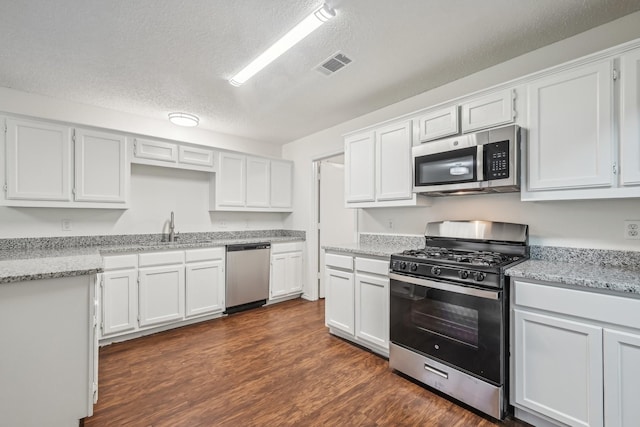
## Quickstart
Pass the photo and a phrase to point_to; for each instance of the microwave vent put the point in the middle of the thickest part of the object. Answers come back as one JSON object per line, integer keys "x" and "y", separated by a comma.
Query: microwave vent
{"x": 334, "y": 63}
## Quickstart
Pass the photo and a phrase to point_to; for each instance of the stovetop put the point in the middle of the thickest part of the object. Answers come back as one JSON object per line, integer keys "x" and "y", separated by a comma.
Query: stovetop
{"x": 461, "y": 257}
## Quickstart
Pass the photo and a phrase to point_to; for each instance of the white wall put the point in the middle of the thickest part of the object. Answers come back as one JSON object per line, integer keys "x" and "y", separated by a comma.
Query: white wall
{"x": 595, "y": 223}
{"x": 155, "y": 192}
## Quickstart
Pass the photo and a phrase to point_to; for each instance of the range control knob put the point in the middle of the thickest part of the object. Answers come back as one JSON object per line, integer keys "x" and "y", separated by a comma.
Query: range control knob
{"x": 463, "y": 274}
{"x": 436, "y": 271}
{"x": 414, "y": 267}
{"x": 403, "y": 265}
{"x": 479, "y": 276}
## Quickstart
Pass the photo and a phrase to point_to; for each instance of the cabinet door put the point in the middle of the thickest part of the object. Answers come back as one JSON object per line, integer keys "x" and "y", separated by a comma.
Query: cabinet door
{"x": 630, "y": 118}
{"x": 621, "y": 378}
{"x": 394, "y": 173}
{"x": 491, "y": 110}
{"x": 558, "y": 368}
{"x": 360, "y": 168}
{"x": 119, "y": 302}
{"x": 101, "y": 167}
{"x": 155, "y": 150}
{"x": 230, "y": 180}
{"x": 38, "y": 162}
{"x": 278, "y": 281}
{"x": 258, "y": 177}
{"x": 204, "y": 287}
{"x": 161, "y": 294}
{"x": 438, "y": 124}
{"x": 570, "y": 129}
{"x": 281, "y": 184}
{"x": 339, "y": 305}
{"x": 372, "y": 309}
{"x": 294, "y": 272}
{"x": 196, "y": 156}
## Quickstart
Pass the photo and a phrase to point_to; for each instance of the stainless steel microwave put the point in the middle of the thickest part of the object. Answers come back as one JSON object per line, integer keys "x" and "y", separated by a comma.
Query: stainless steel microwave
{"x": 481, "y": 162}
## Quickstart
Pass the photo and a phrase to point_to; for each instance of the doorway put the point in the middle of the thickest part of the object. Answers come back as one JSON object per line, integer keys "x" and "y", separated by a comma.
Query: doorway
{"x": 335, "y": 223}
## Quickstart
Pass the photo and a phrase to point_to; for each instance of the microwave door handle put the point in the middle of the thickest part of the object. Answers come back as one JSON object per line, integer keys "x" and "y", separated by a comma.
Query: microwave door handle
{"x": 480, "y": 163}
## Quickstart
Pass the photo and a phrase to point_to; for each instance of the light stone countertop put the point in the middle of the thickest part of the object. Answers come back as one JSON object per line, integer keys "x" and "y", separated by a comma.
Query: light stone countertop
{"x": 367, "y": 249}
{"x": 17, "y": 265}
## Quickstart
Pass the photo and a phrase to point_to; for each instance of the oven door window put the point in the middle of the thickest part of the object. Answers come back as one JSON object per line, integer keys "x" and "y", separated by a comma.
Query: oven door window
{"x": 459, "y": 330}
{"x": 450, "y": 167}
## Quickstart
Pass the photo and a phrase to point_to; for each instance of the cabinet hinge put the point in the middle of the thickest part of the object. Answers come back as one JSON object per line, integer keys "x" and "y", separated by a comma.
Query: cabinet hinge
{"x": 73, "y": 136}
{"x": 135, "y": 147}
{"x": 102, "y": 326}
{"x": 5, "y": 127}
{"x": 616, "y": 74}
{"x": 615, "y": 168}
{"x": 73, "y": 191}
{"x": 4, "y": 187}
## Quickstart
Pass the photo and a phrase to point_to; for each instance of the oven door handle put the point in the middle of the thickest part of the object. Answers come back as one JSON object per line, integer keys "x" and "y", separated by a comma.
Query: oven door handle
{"x": 465, "y": 290}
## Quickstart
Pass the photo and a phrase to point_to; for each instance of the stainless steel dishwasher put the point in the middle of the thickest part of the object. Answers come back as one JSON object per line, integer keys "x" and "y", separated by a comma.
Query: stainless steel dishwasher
{"x": 247, "y": 276}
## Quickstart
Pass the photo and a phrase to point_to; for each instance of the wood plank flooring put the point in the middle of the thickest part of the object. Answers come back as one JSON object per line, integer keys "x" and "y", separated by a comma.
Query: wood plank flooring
{"x": 273, "y": 366}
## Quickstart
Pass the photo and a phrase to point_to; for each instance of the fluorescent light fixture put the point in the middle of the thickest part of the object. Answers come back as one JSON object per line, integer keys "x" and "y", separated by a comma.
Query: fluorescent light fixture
{"x": 300, "y": 31}
{"x": 184, "y": 119}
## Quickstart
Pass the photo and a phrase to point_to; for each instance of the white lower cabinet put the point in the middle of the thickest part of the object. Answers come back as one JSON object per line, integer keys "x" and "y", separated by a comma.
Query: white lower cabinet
{"x": 357, "y": 300}
{"x": 575, "y": 356}
{"x": 286, "y": 270}
{"x": 204, "y": 281}
{"x": 621, "y": 378}
{"x": 152, "y": 290}
{"x": 161, "y": 294}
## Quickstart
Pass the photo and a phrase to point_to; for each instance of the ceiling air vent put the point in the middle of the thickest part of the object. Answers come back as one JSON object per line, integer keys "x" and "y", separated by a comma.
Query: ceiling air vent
{"x": 333, "y": 63}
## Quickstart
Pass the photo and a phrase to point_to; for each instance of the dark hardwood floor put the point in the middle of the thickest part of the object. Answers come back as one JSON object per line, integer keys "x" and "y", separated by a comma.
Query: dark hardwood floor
{"x": 272, "y": 366}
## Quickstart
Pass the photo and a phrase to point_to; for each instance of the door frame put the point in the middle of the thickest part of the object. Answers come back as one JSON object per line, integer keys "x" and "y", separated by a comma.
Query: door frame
{"x": 314, "y": 236}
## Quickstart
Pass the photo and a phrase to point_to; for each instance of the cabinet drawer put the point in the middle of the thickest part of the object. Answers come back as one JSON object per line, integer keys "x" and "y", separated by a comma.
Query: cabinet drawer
{"x": 375, "y": 266}
{"x": 116, "y": 262}
{"x": 160, "y": 258}
{"x": 589, "y": 305}
{"x": 206, "y": 254}
{"x": 339, "y": 261}
{"x": 278, "y": 248}
{"x": 196, "y": 156}
{"x": 155, "y": 150}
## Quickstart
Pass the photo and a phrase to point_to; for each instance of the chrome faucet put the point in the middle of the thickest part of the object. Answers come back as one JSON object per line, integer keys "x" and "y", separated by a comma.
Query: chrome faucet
{"x": 172, "y": 233}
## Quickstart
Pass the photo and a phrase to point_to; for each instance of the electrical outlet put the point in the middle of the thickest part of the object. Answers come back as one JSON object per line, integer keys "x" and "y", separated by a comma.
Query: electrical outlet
{"x": 222, "y": 224}
{"x": 67, "y": 225}
{"x": 632, "y": 229}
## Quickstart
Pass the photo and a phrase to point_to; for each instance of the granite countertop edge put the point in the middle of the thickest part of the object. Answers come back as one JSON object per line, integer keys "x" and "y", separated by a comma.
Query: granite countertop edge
{"x": 368, "y": 250}
{"x": 22, "y": 266}
{"x": 608, "y": 278}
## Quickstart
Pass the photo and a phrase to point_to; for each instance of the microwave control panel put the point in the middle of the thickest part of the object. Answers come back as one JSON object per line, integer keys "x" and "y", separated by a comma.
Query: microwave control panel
{"x": 496, "y": 160}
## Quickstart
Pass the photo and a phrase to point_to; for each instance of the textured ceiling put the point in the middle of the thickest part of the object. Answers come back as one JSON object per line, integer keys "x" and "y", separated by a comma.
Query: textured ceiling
{"x": 151, "y": 57}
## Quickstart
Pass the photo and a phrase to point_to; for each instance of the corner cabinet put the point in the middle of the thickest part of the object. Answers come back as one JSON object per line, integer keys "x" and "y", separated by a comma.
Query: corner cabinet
{"x": 249, "y": 183}
{"x": 286, "y": 270}
{"x": 357, "y": 300}
{"x": 575, "y": 355}
{"x": 51, "y": 165}
{"x": 378, "y": 169}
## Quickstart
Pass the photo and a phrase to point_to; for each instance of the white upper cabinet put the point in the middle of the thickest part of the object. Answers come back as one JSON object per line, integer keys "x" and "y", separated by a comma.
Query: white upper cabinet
{"x": 38, "y": 161}
{"x": 393, "y": 162}
{"x": 630, "y": 118}
{"x": 247, "y": 183}
{"x": 438, "y": 124}
{"x": 173, "y": 154}
{"x": 378, "y": 169}
{"x": 41, "y": 169}
{"x": 101, "y": 167}
{"x": 258, "y": 182}
{"x": 281, "y": 184}
{"x": 230, "y": 180}
{"x": 570, "y": 129}
{"x": 360, "y": 151}
{"x": 491, "y": 110}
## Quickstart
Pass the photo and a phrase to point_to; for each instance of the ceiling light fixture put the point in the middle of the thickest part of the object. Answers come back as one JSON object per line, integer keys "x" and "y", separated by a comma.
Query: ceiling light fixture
{"x": 297, "y": 33}
{"x": 184, "y": 119}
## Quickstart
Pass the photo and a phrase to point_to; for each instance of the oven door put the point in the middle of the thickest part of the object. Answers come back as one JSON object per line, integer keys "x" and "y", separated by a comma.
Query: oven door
{"x": 458, "y": 325}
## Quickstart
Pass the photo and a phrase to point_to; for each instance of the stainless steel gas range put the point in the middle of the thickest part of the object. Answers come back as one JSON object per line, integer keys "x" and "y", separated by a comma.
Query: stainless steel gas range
{"x": 449, "y": 311}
